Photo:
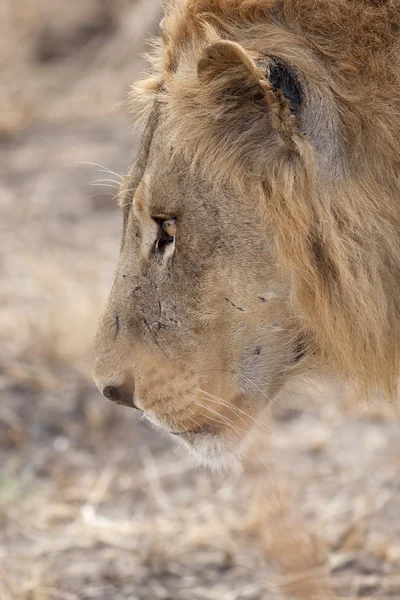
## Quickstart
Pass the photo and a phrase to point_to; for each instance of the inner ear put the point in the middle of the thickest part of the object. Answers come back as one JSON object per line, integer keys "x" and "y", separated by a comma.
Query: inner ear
{"x": 283, "y": 78}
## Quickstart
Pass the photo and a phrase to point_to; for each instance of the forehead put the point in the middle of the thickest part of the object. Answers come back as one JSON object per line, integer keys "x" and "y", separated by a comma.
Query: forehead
{"x": 160, "y": 155}
{"x": 166, "y": 172}
{"x": 167, "y": 181}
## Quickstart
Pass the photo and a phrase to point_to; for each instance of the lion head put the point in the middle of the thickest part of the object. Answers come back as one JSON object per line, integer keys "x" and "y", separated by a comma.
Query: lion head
{"x": 262, "y": 217}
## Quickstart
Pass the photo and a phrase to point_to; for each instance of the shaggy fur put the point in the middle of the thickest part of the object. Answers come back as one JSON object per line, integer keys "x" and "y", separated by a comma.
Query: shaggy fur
{"x": 329, "y": 184}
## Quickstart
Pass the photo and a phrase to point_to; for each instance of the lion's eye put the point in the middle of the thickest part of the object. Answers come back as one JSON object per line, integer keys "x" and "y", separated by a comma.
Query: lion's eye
{"x": 169, "y": 228}
{"x": 166, "y": 233}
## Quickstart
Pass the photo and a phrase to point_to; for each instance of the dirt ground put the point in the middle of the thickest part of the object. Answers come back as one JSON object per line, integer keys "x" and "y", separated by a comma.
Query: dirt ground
{"x": 93, "y": 503}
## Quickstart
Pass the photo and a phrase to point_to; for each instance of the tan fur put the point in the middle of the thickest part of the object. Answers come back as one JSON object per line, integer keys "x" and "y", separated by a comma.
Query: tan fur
{"x": 302, "y": 208}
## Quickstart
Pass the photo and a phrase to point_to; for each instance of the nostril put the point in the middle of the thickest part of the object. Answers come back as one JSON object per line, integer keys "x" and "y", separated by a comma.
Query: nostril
{"x": 112, "y": 393}
{"x": 120, "y": 395}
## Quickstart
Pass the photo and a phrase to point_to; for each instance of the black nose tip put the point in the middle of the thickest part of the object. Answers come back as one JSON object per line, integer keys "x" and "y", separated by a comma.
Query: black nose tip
{"x": 120, "y": 395}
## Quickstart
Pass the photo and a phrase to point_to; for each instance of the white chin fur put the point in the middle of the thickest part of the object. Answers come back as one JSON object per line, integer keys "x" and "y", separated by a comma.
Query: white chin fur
{"x": 216, "y": 452}
{"x": 221, "y": 452}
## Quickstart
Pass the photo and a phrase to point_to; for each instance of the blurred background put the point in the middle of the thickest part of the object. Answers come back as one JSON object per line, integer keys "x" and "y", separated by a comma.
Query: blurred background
{"x": 94, "y": 503}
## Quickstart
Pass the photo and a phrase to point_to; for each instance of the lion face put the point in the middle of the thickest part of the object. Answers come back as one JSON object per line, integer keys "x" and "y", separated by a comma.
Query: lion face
{"x": 197, "y": 331}
{"x": 261, "y": 221}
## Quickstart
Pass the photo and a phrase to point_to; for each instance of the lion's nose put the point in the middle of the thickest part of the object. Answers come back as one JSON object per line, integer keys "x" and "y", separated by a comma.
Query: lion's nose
{"x": 122, "y": 394}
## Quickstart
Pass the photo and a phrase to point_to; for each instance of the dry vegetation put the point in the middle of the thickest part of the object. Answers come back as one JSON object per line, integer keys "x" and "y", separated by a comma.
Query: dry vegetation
{"x": 94, "y": 504}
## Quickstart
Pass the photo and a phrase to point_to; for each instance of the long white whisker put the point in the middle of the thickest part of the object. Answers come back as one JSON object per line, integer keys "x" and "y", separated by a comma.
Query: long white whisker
{"x": 127, "y": 190}
{"x": 258, "y": 389}
{"x": 229, "y": 405}
{"x": 105, "y": 185}
{"x": 95, "y": 184}
{"x": 239, "y": 411}
{"x": 106, "y": 169}
{"x": 117, "y": 183}
{"x": 219, "y": 418}
{"x": 222, "y": 420}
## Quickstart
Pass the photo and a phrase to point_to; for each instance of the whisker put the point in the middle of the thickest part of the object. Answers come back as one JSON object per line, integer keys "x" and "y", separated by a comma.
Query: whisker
{"x": 198, "y": 426}
{"x": 194, "y": 419}
{"x": 232, "y": 372}
{"x": 105, "y": 185}
{"x": 117, "y": 183}
{"x": 224, "y": 403}
{"x": 222, "y": 419}
{"x": 105, "y": 169}
{"x": 120, "y": 177}
{"x": 220, "y": 422}
{"x": 239, "y": 411}
{"x": 259, "y": 389}
{"x": 200, "y": 404}
{"x": 128, "y": 190}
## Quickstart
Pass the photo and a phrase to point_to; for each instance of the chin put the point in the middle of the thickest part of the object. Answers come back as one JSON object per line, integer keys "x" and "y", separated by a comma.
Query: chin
{"x": 221, "y": 452}
{"x": 219, "y": 449}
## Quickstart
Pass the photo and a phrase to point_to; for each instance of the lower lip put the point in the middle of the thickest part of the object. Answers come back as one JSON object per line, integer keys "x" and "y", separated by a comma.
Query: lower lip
{"x": 198, "y": 431}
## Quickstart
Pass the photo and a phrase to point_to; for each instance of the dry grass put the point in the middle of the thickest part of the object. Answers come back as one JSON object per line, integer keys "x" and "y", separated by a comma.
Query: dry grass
{"x": 94, "y": 504}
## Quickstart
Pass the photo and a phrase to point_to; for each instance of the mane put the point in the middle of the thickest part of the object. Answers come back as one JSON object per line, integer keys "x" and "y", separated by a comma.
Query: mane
{"x": 337, "y": 233}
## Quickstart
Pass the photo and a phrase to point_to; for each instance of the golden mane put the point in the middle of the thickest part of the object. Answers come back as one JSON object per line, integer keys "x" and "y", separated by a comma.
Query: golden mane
{"x": 337, "y": 229}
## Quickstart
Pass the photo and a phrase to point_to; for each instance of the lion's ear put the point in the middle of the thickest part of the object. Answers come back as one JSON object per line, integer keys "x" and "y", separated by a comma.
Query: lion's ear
{"x": 223, "y": 58}
{"x": 266, "y": 79}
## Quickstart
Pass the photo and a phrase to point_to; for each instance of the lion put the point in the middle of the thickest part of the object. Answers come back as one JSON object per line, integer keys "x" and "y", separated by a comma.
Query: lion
{"x": 261, "y": 220}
